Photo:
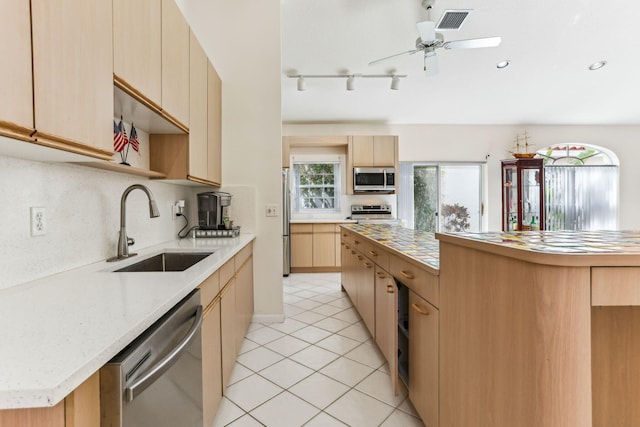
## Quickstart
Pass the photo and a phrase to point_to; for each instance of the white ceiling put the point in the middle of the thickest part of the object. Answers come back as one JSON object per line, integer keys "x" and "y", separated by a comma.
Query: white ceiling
{"x": 550, "y": 45}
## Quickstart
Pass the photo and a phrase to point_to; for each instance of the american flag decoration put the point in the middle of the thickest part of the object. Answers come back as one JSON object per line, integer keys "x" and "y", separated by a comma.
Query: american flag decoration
{"x": 120, "y": 141}
{"x": 133, "y": 139}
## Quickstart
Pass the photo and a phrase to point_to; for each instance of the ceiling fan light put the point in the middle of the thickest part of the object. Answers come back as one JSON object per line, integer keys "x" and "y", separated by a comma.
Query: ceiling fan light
{"x": 351, "y": 83}
{"x": 301, "y": 84}
{"x": 503, "y": 64}
{"x": 395, "y": 83}
{"x": 597, "y": 65}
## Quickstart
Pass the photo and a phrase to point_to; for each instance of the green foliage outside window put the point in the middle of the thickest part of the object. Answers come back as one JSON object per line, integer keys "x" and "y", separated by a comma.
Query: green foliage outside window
{"x": 317, "y": 185}
{"x": 425, "y": 195}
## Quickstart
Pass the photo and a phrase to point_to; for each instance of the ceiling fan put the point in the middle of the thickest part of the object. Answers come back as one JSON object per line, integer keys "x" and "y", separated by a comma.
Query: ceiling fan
{"x": 429, "y": 41}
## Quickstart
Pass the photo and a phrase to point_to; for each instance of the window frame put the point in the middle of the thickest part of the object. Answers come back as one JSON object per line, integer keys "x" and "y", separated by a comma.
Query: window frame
{"x": 337, "y": 187}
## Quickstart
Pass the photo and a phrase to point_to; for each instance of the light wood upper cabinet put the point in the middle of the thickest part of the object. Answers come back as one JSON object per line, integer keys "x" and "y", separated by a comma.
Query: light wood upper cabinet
{"x": 73, "y": 75}
{"x": 175, "y": 62}
{"x": 214, "y": 125}
{"x": 137, "y": 46}
{"x": 198, "y": 109}
{"x": 367, "y": 151}
{"x": 16, "y": 92}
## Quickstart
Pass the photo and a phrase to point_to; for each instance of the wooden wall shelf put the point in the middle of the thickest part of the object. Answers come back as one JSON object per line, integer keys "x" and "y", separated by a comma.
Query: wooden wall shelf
{"x": 116, "y": 167}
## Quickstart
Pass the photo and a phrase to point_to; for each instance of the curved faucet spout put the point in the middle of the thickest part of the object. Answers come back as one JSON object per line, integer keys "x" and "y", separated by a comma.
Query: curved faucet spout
{"x": 123, "y": 241}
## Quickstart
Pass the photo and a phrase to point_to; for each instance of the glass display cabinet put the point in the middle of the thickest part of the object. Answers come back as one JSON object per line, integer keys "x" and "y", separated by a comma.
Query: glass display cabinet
{"x": 522, "y": 194}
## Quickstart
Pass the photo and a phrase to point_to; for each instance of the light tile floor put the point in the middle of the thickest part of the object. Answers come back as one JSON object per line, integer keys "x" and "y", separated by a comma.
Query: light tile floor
{"x": 319, "y": 368}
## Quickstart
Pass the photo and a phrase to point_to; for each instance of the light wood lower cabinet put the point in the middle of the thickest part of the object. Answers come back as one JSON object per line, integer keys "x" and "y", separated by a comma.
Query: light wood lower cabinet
{"x": 386, "y": 312}
{"x": 81, "y": 408}
{"x": 365, "y": 300}
{"x": 315, "y": 247}
{"x": 211, "y": 362}
{"x": 423, "y": 358}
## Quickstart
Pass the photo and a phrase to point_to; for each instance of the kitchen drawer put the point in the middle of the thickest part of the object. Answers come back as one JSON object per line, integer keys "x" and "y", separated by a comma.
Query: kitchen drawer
{"x": 379, "y": 256}
{"x": 612, "y": 286}
{"x": 227, "y": 271}
{"x": 209, "y": 288}
{"x": 301, "y": 228}
{"x": 418, "y": 280}
{"x": 243, "y": 255}
{"x": 346, "y": 236}
{"x": 324, "y": 228}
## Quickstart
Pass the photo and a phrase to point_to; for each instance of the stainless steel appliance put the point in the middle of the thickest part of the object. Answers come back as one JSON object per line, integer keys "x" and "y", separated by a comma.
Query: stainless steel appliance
{"x": 156, "y": 381}
{"x": 286, "y": 219}
{"x": 213, "y": 208}
{"x": 374, "y": 214}
{"x": 378, "y": 180}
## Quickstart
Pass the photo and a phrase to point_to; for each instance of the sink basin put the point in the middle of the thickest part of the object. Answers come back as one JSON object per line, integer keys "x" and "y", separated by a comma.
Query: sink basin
{"x": 167, "y": 261}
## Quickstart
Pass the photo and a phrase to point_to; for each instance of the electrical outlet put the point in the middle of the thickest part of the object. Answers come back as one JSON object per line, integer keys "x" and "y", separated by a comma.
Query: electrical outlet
{"x": 271, "y": 210}
{"x": 175, "y": 210}
{"x": 38, "y": 221}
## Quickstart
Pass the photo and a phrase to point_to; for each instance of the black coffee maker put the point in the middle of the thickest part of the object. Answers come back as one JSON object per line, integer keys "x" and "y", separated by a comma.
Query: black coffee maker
{"x": 213, "y": 209}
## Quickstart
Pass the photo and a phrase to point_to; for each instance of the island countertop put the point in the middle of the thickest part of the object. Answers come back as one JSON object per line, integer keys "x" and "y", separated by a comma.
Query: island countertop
{"x": 418, "y": 245}
{"x": 562, "y": 248}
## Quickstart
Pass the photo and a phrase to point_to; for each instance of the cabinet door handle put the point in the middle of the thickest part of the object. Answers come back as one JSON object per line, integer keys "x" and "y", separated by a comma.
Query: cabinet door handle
{"x": 347, "y": 246}
{"x": 368, "y": 265}
{"x": 360, "y": 257}
{"x": 381, "y": 274}
{"x": 419, "y": 309}
{"x": 390, "y": 289}
{"x": 407, "y": 275}
{"x": 355, "y": 242}
{"x": 342, "y": 243}
{"x": 373, "y": 253}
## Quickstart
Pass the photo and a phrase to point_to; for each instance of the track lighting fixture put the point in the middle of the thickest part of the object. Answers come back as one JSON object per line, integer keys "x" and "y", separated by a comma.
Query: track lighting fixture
{"x": 395, "y": 79}
{"x": 301, "y": 84}
{"x": 395, "y": 83}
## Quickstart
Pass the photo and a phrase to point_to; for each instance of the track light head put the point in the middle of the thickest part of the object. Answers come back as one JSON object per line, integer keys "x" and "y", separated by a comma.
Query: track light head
{"x": 351, "y": 83}
{"x": 395, "y": 83}
{"x": 301, "y": 84}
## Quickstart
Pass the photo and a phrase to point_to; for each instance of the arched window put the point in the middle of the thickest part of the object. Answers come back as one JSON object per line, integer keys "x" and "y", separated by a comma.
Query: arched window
{"x": 581, "y": 187}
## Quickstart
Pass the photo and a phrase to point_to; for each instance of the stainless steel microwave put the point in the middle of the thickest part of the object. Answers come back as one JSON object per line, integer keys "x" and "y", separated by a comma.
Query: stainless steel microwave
{"x": 379, "y": 180}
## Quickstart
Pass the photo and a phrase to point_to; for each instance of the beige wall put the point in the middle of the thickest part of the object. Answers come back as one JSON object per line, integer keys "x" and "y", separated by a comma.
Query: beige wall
{"x": 476, "y": 142}
{"x": 242, "y": 39}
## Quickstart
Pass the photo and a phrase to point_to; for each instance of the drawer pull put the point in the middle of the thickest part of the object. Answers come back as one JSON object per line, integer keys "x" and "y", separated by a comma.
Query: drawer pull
{"x": 353, "y": 252}
{"x": 355, "y": 242}
{"x": 342, "y": 243}
{"x": 373, "y": 253}
{"x": 407, "y": 275}
{"x": 360, "y": 257}
{"x": 419, "y": 309}
{"x": 390, "y": 289}
{"x": 347, "y": 246}
{"x": 368, "y": 264}
{"x": 381, "y": 274}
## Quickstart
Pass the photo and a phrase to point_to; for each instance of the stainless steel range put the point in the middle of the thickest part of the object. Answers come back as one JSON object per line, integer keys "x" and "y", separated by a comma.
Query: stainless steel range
{"x": 373, "y": 214}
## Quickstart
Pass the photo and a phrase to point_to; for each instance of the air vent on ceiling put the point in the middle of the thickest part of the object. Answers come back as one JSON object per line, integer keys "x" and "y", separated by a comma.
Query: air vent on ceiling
{"x": 452, "y": 19}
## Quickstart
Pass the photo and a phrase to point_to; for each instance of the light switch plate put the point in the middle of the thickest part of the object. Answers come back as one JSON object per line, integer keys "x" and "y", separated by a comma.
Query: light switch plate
{"x": 271, "y": 210}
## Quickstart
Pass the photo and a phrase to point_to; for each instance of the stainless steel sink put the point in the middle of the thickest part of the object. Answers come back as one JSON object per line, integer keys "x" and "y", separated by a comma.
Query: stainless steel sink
{"x": 167, "y": 261}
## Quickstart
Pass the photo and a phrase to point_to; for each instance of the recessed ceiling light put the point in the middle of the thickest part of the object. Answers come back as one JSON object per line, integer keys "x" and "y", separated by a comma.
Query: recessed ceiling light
{"x": 597, "y": 65}
{"x": 503, "y": 64}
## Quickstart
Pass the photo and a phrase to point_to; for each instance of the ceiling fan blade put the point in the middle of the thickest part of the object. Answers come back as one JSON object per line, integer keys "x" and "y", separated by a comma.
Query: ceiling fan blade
{"x": 430, "y": 63}
{"x": 427, "y": 30}
{"x": 473, "y": 43}
{"x": 409, "y": 52}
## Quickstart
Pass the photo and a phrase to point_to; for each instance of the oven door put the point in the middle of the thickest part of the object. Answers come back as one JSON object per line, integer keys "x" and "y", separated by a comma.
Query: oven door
{"x": 369, "y": 179}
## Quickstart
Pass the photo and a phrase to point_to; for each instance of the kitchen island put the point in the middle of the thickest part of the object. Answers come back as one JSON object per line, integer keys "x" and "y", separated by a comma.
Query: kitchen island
{"x": 540, "y": 329}
{"x": 529, "y": 329}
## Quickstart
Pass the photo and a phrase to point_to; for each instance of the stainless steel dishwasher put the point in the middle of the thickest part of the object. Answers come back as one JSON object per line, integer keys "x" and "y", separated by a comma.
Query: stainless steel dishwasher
{"x": 156, "y": 381}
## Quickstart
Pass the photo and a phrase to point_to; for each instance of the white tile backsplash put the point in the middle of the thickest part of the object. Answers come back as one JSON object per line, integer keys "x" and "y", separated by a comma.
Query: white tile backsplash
{"x": 82, "y": 214}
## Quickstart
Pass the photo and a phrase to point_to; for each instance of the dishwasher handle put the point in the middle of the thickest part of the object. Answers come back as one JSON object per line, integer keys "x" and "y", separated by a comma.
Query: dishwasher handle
{"x": 166, "y": 362}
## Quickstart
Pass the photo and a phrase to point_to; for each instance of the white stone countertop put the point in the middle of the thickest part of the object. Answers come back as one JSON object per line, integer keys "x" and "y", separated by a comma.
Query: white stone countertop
{"x": 57, "y": 331}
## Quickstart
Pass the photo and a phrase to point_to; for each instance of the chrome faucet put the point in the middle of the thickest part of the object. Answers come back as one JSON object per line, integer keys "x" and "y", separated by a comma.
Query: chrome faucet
{"x": 123, "y": 240}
